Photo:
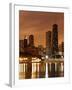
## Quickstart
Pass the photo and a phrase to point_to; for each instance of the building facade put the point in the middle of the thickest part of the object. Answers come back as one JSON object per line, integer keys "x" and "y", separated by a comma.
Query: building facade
{"x": 55, "y": 39}
{"x": 31, "y": 40}
{"x": 48, "y": 43}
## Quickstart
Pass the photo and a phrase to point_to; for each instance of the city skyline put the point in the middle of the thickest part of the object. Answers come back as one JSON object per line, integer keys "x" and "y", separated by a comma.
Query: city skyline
{"x": 38, "y": 23}
{"x": 41, "y": 44}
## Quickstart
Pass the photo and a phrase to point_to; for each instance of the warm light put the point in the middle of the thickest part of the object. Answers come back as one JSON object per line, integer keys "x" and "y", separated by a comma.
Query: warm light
{"x": 36, "y": 60}
{"x": 61, "y": 56}
{"x": 25, "y": 58}
{"x": 20, "y": 59}
{"x": 46, "y": 57}
{"x": 43, "y": 57}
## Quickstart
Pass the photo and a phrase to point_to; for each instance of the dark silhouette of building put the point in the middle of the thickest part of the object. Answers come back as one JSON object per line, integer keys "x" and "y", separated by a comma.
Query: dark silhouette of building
{"x": 21, "y": 45}
{"x": 55, "y": 39}
{"x": 31, "y": 40}
{"x": 62, "y": 46}
{"x": 48, "y": 43}
{"x": 29, "y": 48}
{"x": 25, "y": 43}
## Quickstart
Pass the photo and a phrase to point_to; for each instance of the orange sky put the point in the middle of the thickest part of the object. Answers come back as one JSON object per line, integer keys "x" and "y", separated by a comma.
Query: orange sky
{"x": 38, "y": 23}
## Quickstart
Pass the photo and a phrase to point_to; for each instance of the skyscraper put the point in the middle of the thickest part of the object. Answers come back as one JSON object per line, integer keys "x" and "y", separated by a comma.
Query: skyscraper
{"x": 48, "y": 43}
{"x": 25, "y": 43}
{"x": 55, "y": 39}
{"x": 31, "y": 40}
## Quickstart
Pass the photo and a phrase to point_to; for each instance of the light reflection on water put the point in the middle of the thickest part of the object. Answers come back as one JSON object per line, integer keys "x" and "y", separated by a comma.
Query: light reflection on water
{"x": 29, "y": 70}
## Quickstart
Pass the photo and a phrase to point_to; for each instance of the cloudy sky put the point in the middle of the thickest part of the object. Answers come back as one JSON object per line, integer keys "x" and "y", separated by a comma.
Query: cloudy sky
{"x": 38, "y": 23}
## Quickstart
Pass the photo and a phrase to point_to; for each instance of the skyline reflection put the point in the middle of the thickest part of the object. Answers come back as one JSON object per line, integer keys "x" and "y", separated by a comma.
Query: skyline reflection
{"x": 41, "y": 44}
{"x": 31, "y": 70}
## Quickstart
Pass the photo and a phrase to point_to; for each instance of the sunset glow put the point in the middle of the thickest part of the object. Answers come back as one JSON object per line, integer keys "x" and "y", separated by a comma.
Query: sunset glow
{"x": 38, "y": 23}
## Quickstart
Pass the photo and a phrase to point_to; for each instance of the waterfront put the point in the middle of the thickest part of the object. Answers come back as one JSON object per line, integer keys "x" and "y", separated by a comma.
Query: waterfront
{"x": 41, "y": 44}
{"x": 30, "y": 68}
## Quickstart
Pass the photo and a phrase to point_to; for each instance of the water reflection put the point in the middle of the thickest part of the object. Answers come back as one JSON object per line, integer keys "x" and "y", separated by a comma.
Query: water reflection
{"x": 41, "y": 69}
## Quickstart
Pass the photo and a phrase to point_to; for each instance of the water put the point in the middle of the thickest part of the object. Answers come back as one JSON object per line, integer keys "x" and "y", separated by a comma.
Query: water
{"x": 40, "y": 69}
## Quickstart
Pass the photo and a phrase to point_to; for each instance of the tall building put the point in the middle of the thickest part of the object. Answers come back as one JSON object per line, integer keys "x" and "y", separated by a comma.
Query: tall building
{"x": 25, "y": 43}
{"x": 55, "y": 39}
{"x": 21, "y": 45}
{"x": 48, "y": 43}
{"x": 31, "y": 40}
{"x": 61, "y": 48}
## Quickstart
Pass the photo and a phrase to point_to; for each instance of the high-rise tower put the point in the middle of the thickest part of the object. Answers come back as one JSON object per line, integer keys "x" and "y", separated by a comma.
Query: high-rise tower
{"x": 25, "y": 43}
{"x": 31, "y": 40}
{"x": 48, "y": 43}
{"x": 55, "y": 39}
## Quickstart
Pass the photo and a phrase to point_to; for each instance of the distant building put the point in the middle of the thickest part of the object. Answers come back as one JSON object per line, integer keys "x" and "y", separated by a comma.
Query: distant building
{"x": 48, "y": 43}
{"x": 40, "y": 47}
{"x": 25, "y": 43}
{"x": 29, "y": 48}
{"x": 55, "y": 39}
{"x": 31, "y": 51}
{"x": 31, "y": 40}
{"x": 61, "y": 48}
{"x": 21, "y": 45}
{"x": 41, "y": 50}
